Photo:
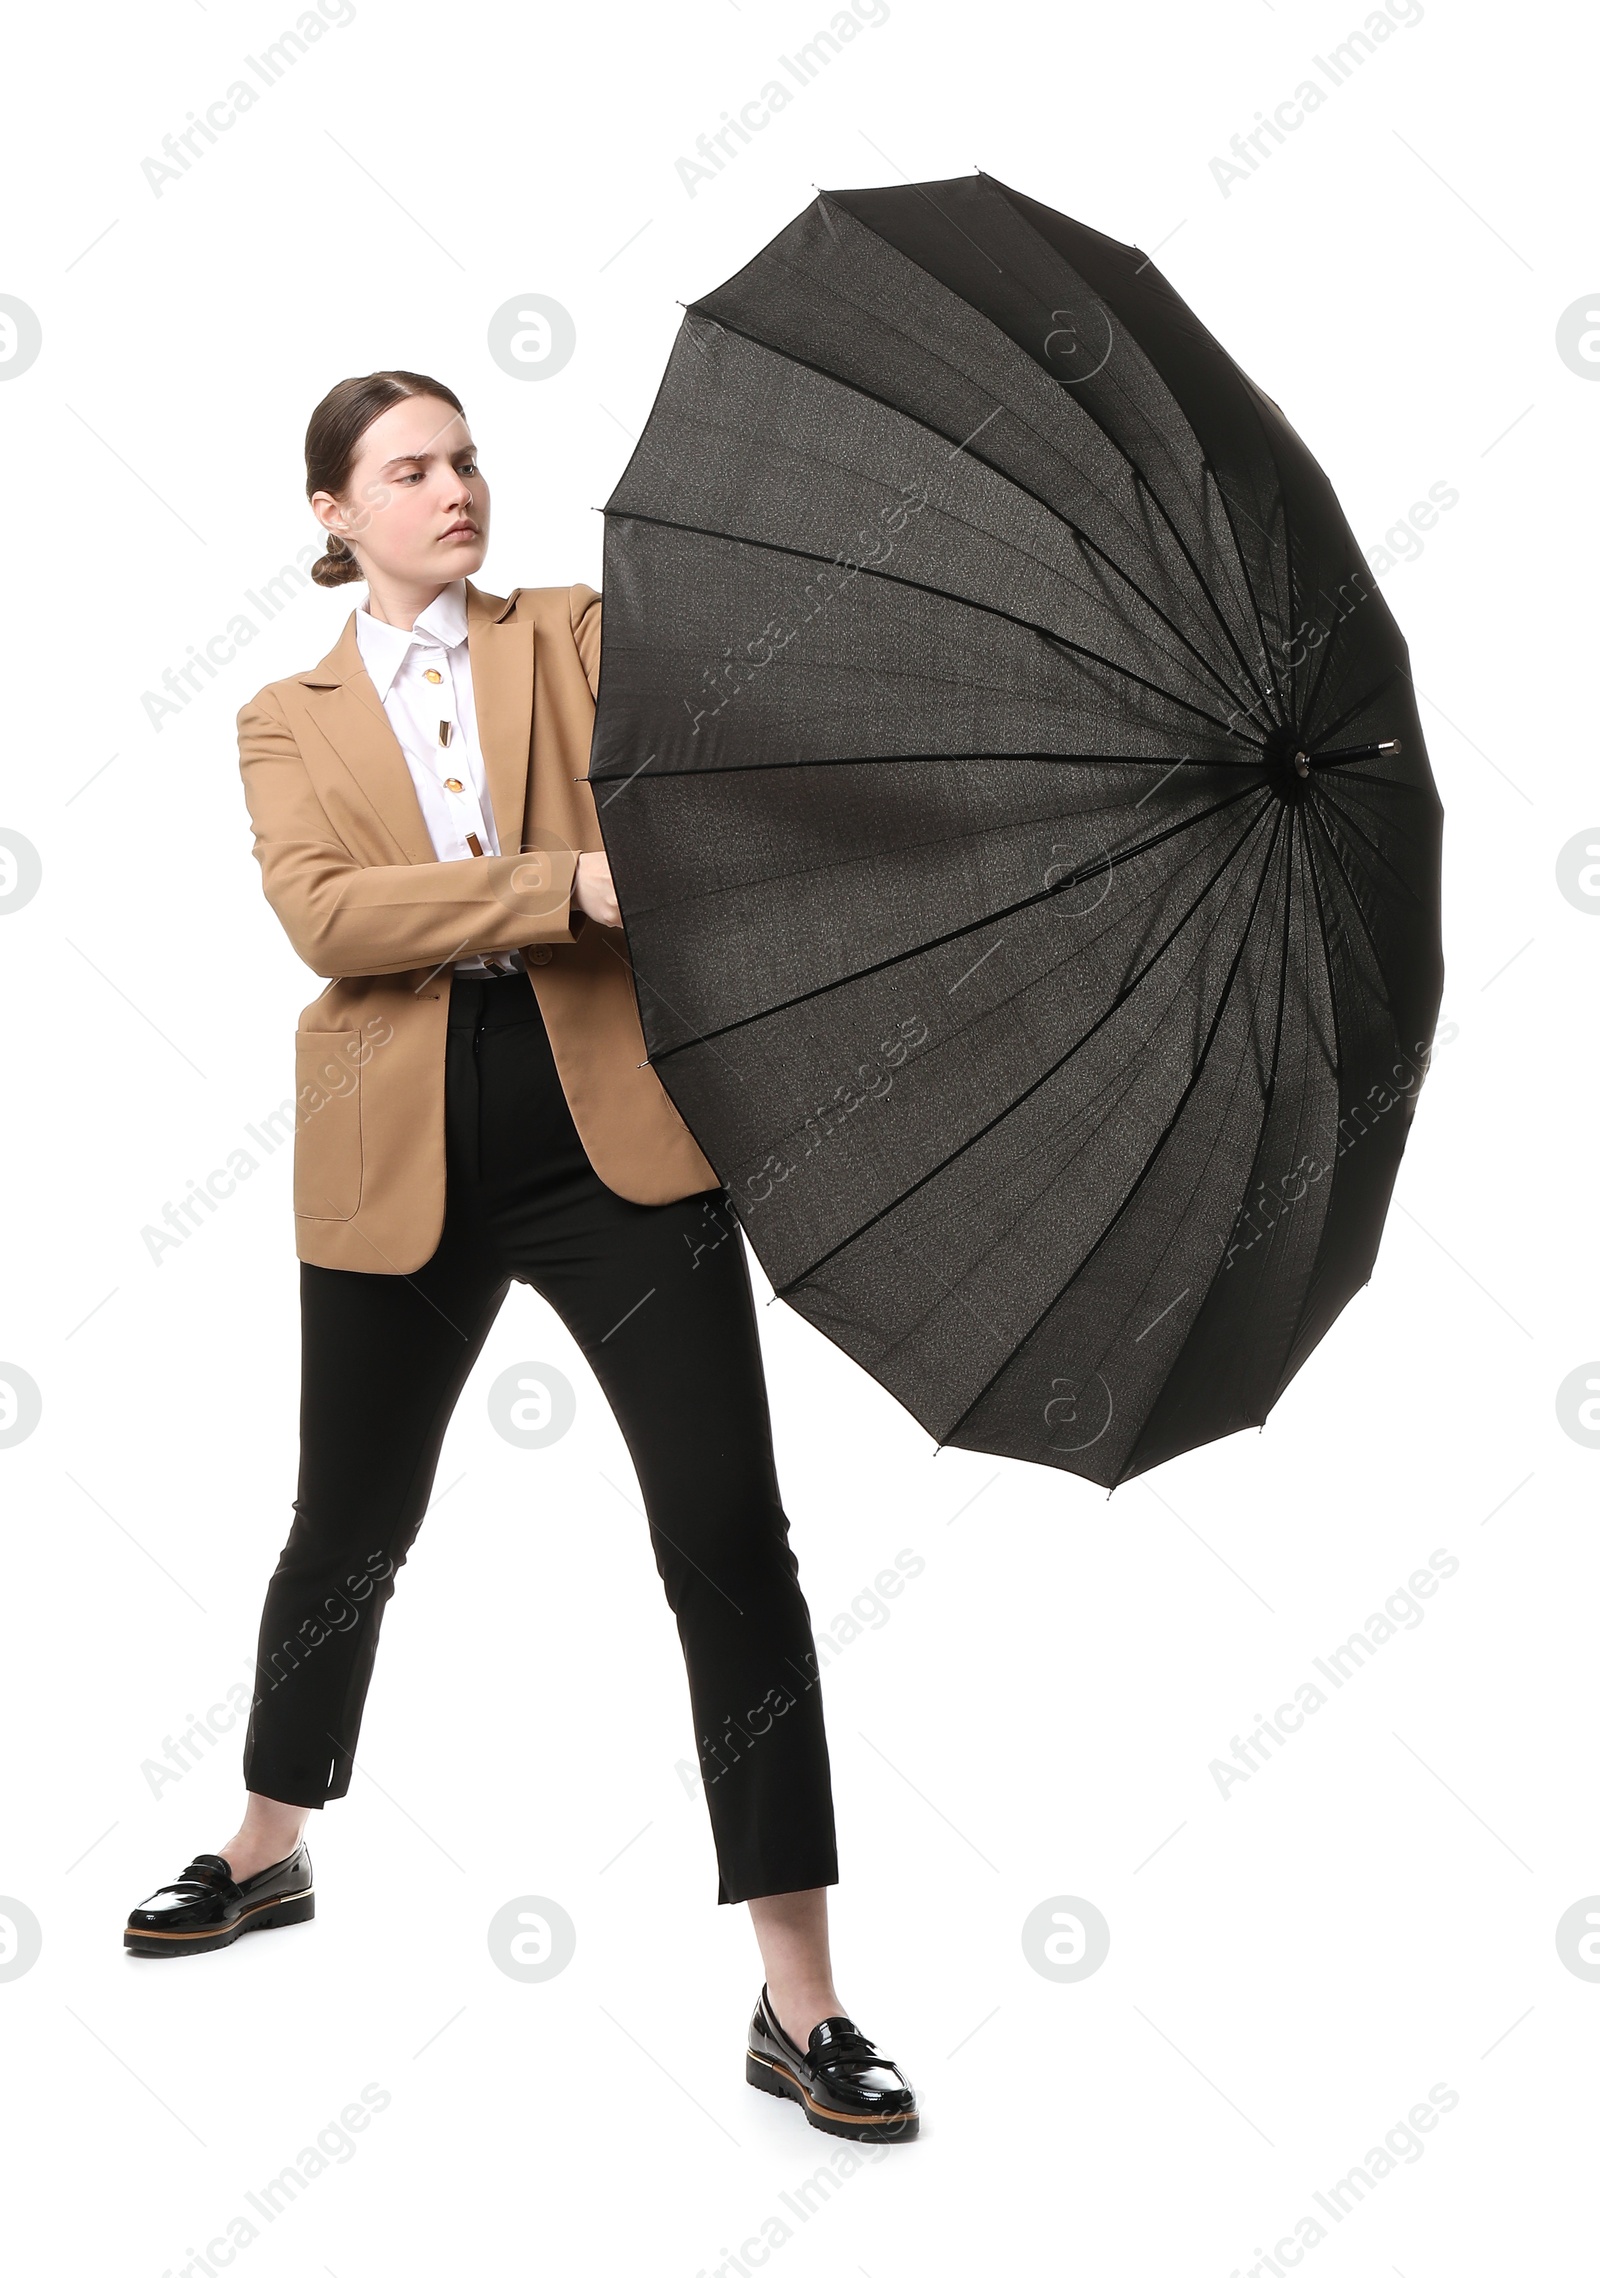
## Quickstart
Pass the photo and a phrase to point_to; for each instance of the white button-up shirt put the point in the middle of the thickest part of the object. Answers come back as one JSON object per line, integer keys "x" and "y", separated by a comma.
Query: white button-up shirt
{"x": 424, "y": 683}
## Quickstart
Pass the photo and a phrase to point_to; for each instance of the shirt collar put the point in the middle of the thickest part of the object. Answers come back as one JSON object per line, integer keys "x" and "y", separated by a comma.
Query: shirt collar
{"x": 384, "y": 648}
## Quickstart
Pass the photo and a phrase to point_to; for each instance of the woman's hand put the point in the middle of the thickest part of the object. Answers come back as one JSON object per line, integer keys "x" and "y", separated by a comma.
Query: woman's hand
{"x": 593, "y": 891}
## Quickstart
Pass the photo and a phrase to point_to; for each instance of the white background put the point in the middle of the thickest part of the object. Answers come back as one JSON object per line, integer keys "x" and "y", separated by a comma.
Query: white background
{"x": 1292, "y": 1968}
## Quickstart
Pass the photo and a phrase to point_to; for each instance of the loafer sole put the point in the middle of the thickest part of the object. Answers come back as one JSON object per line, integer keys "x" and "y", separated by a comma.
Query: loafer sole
{"x": 270, "y": 1914}
{"x": 776, "y": 2079}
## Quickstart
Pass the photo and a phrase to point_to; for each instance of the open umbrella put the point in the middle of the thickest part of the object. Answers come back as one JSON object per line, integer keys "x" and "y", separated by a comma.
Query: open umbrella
{"x": 1021, "y": 822}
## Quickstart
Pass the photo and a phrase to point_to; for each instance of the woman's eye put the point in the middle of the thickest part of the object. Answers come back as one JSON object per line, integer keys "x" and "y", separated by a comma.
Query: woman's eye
{"x": 467, "y": 467}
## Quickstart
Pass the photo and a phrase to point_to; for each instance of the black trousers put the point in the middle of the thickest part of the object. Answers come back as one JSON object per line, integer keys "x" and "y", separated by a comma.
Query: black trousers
{"x": 659, "y": 1299}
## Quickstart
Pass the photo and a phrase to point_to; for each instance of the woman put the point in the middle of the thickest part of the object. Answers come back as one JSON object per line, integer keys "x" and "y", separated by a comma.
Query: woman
{"x": 474, "y": 1107}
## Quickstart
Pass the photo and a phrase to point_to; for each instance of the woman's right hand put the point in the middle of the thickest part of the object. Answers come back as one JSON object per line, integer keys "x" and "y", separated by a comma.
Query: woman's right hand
{"x": 593, "y": 891}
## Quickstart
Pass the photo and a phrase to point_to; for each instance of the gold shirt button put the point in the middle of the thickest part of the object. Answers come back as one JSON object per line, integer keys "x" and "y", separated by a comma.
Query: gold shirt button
{"x": 540, "y": 954}
{"x": 432, "y": 675}
{"x": 452, "y": 782}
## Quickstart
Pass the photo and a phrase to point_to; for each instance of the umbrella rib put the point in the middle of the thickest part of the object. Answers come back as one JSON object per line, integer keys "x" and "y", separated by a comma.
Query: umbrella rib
{"x": 1323, "y": 668}
{"x": 1171, "y": 1125}
{"x": 1265, "y": 695}
{"x": 870, "y": 395}
{"x": 1327, "y": 962}
{"x": 1127, "y": 1472}
{"x": 1338, "y": 1080}
{"x": 824, "y": 200}
{"x": 1054, "y": 1069}
{"x": 1393, "y": 785}
{"x": 990, "y": 917}
{"x": 1251, "y": 394}
{"x": 1355, "y": 902}
{"x": 923, "y": 759}
{"x": 1244, "y": 571}
{"x": 1255, "y": 398}
{"x": 1349, "y": 823}
{"x": 1327, "y": 655}
{"x": 1361, "y": 704}
{"x": 1148, "y": 599}
{"x": 935, "y": 593}
{"x": 1318, "y": 677}
{"x": 1283, "y": 967}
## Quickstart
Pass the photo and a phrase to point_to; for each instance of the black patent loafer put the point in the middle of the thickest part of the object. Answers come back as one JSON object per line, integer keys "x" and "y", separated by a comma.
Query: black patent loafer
{"x": 838, "y": 2079}
{"x": 205, "y": 1908}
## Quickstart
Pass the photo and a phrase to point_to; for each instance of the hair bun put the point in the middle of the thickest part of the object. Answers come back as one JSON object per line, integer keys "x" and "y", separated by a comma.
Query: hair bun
{"x": 338, "y": 566}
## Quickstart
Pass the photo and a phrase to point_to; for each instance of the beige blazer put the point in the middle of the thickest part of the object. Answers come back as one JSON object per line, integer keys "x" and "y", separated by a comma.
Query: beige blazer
{"x": 347, "y": 864}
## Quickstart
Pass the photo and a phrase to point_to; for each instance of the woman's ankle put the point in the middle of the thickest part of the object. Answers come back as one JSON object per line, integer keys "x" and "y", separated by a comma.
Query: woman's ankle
{"x": 269, "y": 1832}
{"x": 800, "y": 2005}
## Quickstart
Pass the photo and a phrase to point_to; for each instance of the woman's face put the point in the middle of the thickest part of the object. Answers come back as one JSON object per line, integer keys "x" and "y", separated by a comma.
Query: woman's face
{"x": 416, "y": 508}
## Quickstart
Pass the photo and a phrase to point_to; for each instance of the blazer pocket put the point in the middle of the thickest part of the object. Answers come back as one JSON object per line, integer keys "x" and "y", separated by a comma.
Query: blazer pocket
{"x": 327, "y": 1136}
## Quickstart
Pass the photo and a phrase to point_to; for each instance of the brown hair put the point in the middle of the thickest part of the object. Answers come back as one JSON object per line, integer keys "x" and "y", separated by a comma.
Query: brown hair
{"x": 337, "y": 426}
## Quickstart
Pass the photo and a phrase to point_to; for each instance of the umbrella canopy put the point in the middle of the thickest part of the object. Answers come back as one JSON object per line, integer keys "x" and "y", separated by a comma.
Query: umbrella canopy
{"x": 1021, "y": 822}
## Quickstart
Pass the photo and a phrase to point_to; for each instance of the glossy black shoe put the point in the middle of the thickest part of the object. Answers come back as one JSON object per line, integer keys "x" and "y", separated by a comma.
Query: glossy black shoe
{"x": 205, "y": 1908}
{"x": 839, "y": 2081}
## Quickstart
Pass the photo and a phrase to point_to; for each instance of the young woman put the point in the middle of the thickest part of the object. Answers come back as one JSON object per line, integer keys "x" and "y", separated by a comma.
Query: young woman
{"x": 474, "y": 1108}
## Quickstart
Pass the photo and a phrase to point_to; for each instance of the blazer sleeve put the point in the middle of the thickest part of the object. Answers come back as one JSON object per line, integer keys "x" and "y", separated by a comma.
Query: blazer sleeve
{"x": 347, "y": 918}
{"x": 585, "y": 609}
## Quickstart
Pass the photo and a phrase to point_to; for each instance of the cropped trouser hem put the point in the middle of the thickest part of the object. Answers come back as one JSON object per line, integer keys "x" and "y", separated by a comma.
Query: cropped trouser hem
{"x": 773, "y": 1881}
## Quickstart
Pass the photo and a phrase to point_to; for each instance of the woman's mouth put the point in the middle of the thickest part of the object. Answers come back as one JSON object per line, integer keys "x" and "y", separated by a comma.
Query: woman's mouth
{"x": 462, "y": 530}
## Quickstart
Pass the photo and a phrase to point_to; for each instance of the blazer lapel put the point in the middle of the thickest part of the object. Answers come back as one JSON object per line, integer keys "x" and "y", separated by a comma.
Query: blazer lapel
{"x": 346, "y": 708}
{"x": 501, "y": 652}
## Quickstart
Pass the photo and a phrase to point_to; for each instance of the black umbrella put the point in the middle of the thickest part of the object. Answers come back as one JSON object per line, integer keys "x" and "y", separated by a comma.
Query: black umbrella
{"x": 1021, "y": 822}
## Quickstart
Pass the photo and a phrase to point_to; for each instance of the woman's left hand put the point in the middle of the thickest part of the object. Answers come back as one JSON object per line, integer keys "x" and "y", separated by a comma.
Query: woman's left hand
{"x": 593, "y": 891}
